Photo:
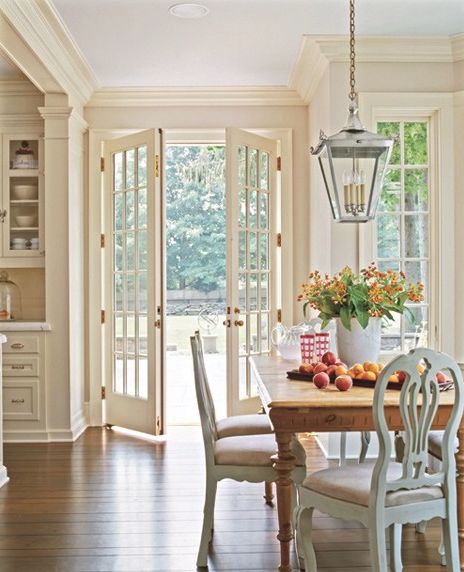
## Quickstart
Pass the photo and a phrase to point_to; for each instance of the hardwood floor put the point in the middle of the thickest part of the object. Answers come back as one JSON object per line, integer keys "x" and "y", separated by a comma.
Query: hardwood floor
{"x": 112, "y": 502}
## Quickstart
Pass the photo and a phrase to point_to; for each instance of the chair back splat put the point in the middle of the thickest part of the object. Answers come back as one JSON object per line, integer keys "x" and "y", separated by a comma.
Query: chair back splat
{"x": 419, "y": 401}
{"x": 204, "y": 399}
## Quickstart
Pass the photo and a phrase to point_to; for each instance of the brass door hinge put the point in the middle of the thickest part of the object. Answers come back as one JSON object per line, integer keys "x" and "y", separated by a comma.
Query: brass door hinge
{"x": 102, "y": 241}
{"x": 279, "y": 315}
{"x": 102, "y": 164}
{"x": 279, "y": 163}
{"x": 157, "y": 425}
{"x": 102, "y": 316}
{"x": 158, "y": 323}
{"x": 103, "y": 392}
{"x": 157, "y": 166}
{"x": 279, "y": 239}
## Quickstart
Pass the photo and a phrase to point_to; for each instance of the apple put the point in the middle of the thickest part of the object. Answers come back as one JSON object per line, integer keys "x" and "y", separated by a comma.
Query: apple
{"x": 343, "y": 383}
{"x": 441, "y": 378}
{"x": 321, "y": 380}
{"x": 401, "y": 376}
{"x": 306, "y": 368}
{"x": 320, "y": 367}
{"x": 329, "y": 358}
{"x": 332, "y": 371}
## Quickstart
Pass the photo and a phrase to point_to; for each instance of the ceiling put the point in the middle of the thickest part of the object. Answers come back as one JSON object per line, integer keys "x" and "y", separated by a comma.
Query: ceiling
{"x": 239, "y": 43}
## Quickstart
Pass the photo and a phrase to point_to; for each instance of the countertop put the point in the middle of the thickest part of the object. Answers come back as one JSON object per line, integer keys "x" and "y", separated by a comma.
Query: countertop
{"x": 23, "y": 326}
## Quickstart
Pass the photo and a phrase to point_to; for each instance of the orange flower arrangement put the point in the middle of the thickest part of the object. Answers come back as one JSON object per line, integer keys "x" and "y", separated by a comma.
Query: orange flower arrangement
{"x": 370, "y": 294}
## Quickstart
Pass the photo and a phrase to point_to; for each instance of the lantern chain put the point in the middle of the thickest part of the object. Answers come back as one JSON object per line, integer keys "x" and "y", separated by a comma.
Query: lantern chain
{"x": 353, "y": 94}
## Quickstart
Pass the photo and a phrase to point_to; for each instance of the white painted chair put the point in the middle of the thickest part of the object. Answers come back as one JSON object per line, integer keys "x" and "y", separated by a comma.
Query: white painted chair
{"x": 241, "y": 458}
{"x": 385, "y": 494}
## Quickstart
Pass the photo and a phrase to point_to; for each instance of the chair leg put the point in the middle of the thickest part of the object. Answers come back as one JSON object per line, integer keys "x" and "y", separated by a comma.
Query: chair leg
{"x": 450, "y": 539}
{"x": 365, "y": 441}
{"x": 268, "y": 494}
{"x": 208, "y": 522}
{"x": 305, "y": 546}
{"x": 421, "y": 527}
{"x": 377, "y": 545}
{"x": 395, "y": 547}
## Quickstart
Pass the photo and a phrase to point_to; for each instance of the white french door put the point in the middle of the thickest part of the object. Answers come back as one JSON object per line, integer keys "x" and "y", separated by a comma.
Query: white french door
{"x": 251, "y": 200}
{"x": 134, "y": 282}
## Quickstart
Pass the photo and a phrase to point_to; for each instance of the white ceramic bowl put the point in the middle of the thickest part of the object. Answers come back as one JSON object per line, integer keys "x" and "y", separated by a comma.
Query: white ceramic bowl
{"x": 25, "y": 192}
{"x": 25, "y": 220}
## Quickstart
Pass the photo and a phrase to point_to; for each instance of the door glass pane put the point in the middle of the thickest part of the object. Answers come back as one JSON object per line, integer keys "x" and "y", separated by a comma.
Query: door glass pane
{"x": 118, "y": 171}
{"x": 130, "y": 251}
{"x": 253, "y": 294}
{"x": 119, "y": 373}
{"x": 242, "y": 292}
{"x": 253, "y": 238}
{"x": 242, "y": 257}
{"x": 143, "y": 335}
{"x": 118, "y": 220}
{"x": 130, "y": 209}
{"x": 142, "y": 249}
{"x": 142, "y": 292}
{"x": 264, "y": 170}
{"x": 119, "y": 334}
{"x": 130, "y": 289}
{"x": 265, "y": 334}
{"x": 264, "y": 291}
{"x": 142, "y": 208}
{"x": 118, "y": 252}
{"x": 242, "y": 208}
{"x": 263, "y": 210}
{"x": 242, "y": 166}
{"x": 253, "y": 212}
{"x": 264, "y": 251}
{"x": 118, "y": 292}
{"x": 142, "y": 166}
{"x": 254, "y": 339}
{"x": 131, "y": 375}
{"x": 253, "y": 160}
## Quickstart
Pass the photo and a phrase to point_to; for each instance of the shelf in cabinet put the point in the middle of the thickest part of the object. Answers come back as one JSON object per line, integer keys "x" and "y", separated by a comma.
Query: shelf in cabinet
{"x": 24, "y": 228}
{"x": 23, "y": 172}
{"x": 20, "y": 202}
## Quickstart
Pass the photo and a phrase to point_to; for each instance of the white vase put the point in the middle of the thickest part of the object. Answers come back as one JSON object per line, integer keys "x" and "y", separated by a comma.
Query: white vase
{"x": 358, "y": 345}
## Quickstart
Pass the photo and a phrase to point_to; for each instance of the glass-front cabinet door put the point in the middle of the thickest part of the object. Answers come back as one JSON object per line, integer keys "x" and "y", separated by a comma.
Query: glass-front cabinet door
{"x": 21, "y": 211}
{"x": 251, "y": 262}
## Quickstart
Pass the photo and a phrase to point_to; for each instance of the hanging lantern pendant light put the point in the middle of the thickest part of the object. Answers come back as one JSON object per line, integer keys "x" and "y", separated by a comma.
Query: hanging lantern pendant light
{"x": 353, "y": 161}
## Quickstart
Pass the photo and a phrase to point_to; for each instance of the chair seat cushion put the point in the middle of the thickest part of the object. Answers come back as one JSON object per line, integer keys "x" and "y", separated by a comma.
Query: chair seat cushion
{"x": 435, "y": 439}
{"x": 243, "y": 425}
{"x": 352, "y": 483}
{"x": 252, "y": 450}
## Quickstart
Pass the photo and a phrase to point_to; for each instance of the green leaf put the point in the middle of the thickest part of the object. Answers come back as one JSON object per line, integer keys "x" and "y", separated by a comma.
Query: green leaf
{"x": 305, "y": 305}
{"x": 363, "y": 319}
{"x": 410, "y": 315}
{"x": 345, "y": 317}
{"x": 325, "y": 323}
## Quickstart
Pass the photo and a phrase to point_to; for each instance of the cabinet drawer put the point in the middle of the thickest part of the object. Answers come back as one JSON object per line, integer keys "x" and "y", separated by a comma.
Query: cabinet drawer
{"x": 17, "y": 344}
{"x": 20, "y": 366}
{"x": 20, "y": 399}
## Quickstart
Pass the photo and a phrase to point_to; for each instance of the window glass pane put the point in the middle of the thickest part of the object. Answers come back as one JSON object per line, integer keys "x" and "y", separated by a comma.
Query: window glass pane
{"x": 242, "y": 208}
{"x": 264, "y": 170}
{"x": 252, "y": 215}
{"x": 391, "y": 129}
{"x": 142, "y": 206}
{"x": 130, "y": 251}
{"x": 142, "y": 166}
{"x": 242, "y": 292}
{"x": 385, "y": 265}
{"x": 417, "y": 271}
{"x": 142, "y": 249}
{"x": 143, "y": 292}
{"x": 416, "y": 323}
{"x": 263, "y": 210}
{"x": 253, "y": 238}
{"x": 416, "y": 236}
{"x": 264, "y": 251}
{"x": 130, "y": 169}
{"x": 390, "y": 197}
{"x": 118, "y": 221}
{"x": 130, "y": 209}
{"x": 254, "y": 340}
{"x": 118, "y": 251}
{"x": 388, "y": 236}
{"x": 119, "y": 333}
{"x": 264, "y": 331}
{"x": 416, "y": 192}
{"x": 415, "y": 143}
{"x": 130, "y": 289}
{"x": 118, "y": 292}
{"x": 253, "y": 295}
{"x": 253, "y": 159}
{"x": 264, "y": 291}
{"x": 391, "y": 334}
{"x": 242, "y": 165}
{"x": 131, "y": 349}
{"x": 242, "y": 260}
{"x": 118, "y": 171}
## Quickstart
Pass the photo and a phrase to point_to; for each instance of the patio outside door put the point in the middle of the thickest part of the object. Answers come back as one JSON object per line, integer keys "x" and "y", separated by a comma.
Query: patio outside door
{"x": 134, "y": 282}
{"x": 251, "y": 260}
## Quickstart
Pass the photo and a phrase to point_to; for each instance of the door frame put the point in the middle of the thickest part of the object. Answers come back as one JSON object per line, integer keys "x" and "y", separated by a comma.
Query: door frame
{"x": 94, "y": 270}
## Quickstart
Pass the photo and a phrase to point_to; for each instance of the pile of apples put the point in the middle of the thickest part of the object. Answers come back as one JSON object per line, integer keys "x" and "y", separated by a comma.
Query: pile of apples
{"x": 329, "y": 367}
{"x": 400, "y": 376}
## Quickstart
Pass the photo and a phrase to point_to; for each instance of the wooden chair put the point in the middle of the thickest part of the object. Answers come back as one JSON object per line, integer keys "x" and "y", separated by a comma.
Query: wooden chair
{"x": 385, "y": 494}
{"x": 239, "y": 457}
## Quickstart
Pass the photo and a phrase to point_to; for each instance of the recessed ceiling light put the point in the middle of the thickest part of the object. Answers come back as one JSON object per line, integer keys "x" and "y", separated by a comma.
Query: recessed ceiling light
{"x": 189, "y": 10}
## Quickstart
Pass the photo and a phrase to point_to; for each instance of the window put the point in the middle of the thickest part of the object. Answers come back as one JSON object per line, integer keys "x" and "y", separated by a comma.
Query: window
{"x": 402, "y": 237}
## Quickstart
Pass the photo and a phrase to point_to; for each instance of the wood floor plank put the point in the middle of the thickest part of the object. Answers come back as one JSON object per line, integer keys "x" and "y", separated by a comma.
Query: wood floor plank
{"x": 111, "y": 502}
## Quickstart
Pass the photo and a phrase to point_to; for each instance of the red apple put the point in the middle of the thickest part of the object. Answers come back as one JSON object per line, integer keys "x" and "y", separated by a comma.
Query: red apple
{"x": 441, "y": 378}
{"x": 329, "y": 358}
{"x": 306, "y": 368}
{"x": 320, "y": 367}
{"x": 321, "y": 380}
{"x": 401, "y": 376}
{"x": 343, "y": 383}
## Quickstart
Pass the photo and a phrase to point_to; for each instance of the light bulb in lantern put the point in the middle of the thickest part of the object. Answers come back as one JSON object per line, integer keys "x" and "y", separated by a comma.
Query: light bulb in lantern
{"x": 362, "y": 188}
{"x": 347, "y": 180}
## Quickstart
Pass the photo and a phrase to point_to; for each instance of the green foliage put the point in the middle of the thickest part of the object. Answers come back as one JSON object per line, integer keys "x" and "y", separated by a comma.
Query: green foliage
{"x": 196, "y": 218}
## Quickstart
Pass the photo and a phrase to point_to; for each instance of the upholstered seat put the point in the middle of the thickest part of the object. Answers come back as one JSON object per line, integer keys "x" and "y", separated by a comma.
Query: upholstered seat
{"x": 353, "y": 482}
{"x": 243, "y": 425}
{"x": 435, "y": 441}
{"x": 252, "y": 450}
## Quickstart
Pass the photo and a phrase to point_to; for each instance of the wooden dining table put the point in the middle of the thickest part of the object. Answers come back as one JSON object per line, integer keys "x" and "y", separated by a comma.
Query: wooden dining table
{"x": 298, "y": 407}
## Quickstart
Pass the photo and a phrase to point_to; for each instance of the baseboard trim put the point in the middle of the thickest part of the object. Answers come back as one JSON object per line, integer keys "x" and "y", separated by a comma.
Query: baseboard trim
{"x": 78, "y": 427}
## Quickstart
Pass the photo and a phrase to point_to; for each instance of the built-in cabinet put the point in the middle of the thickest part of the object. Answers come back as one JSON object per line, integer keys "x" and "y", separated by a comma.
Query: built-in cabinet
{"x": 22, "y": 201}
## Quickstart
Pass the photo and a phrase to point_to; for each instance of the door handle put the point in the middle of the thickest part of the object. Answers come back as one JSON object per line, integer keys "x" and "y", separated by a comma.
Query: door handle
{"x": 226, "y": 323}
{"x": 239, "y": 323}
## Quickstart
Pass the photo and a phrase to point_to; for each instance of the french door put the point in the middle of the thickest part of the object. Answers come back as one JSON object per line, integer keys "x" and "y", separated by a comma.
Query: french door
{"x": 251, "y": 197}
{"x": 134, "y": 282}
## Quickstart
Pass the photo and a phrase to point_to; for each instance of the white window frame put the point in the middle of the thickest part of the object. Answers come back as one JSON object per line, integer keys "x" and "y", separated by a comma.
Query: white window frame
{"x": 437, "y": 109}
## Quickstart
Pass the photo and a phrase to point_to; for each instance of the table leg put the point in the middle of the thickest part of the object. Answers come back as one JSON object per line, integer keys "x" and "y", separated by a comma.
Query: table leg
{"x": 460, "y": 491}
{"x": 284, "y": 463}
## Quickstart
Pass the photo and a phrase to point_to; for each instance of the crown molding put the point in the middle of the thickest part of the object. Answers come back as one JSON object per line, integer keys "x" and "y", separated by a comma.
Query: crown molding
{"x": 42, "y": 29}
{"x": 17, "y": 87}
{"x": 317, "y": 52}
{"x": 193, "y": 96}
